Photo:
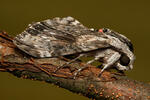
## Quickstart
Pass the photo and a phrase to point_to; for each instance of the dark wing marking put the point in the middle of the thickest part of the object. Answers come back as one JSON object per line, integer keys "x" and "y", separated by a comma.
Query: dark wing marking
{"x": 58, "y": 32}
{"x": 32, "y": 31}
{"x": 42, "y": 28}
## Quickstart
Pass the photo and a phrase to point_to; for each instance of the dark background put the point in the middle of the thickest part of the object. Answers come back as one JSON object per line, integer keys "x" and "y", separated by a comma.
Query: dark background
{"x": 129, "y": 17}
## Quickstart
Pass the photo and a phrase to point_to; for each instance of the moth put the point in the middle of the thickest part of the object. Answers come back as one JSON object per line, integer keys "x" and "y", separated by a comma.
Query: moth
{"x": 66, "y": 36}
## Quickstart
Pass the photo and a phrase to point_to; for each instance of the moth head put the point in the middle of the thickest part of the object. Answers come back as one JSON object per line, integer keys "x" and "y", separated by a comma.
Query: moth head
{"x": 121, "y": 37}
{"x": 124, "y": 59}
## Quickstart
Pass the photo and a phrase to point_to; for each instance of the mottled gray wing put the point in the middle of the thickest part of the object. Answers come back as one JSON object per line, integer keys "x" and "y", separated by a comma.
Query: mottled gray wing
{"x": 58, "y": 37}
{"x": 48, "y": 38}
{"x": 84, "y": 38}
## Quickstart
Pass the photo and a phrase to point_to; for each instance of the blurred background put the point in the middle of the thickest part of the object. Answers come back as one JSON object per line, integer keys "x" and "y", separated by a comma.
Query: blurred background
{"x": 128, "y": 17}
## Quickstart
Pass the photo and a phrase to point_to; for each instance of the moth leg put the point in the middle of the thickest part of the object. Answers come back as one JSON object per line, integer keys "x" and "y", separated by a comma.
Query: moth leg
{"x": 110, "y": 60}
{"x": 109, "y": 56}
{"x": 67, "y": 63}
{"x": 98, "y": 55}
{"x": 39, "y": 66}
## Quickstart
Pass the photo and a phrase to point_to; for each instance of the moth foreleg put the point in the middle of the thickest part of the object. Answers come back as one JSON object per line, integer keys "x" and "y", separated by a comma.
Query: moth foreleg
{"x": 110, "y": 60}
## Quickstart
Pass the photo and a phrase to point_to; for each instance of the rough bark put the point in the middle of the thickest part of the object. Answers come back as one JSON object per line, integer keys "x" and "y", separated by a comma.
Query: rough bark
{"x": 108, "y": 86}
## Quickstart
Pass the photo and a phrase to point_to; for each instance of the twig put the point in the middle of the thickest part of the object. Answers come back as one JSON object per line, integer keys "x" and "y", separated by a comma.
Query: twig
{"x": 108, "y": 86}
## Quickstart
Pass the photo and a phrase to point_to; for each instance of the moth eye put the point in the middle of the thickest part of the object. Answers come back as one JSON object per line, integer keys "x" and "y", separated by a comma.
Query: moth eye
{"x": 124, "y": 60}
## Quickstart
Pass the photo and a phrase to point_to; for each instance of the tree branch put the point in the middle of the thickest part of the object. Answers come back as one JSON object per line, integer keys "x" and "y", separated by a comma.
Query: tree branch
{"x": 87, "y": 83}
